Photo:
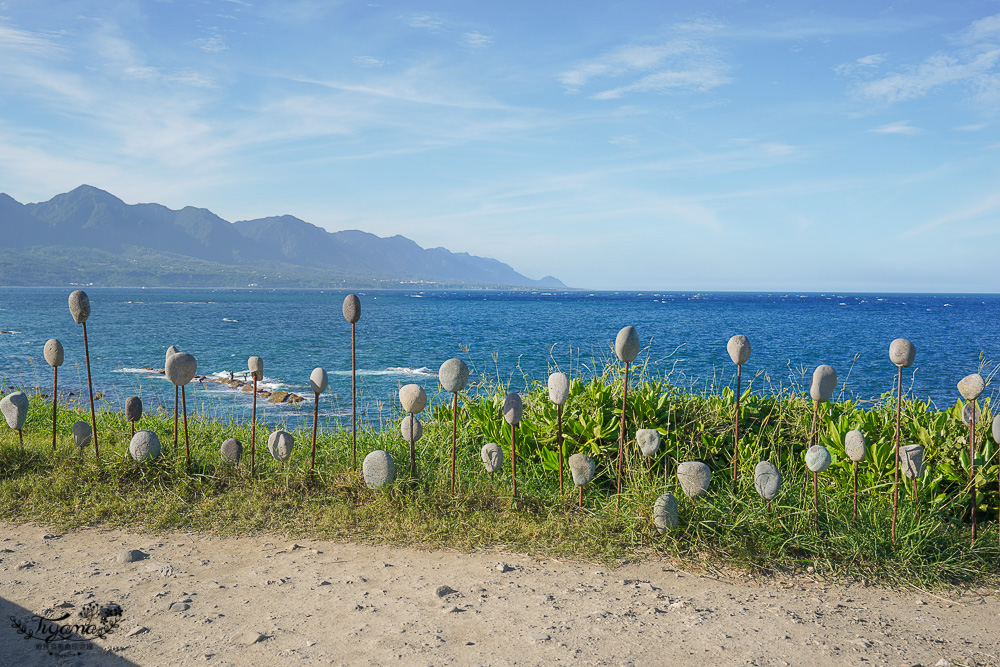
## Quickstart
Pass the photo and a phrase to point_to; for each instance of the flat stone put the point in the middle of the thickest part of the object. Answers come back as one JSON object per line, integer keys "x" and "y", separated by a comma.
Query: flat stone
{"x": 582, "y": 468}
{"x": 541, "y": 637}
{"x": 996, "y": 429}
{"x": 558, "y": 388}
{"x": 902, "y": 352}
{"x": 492, "y": 455}
{"x": 818, "y": 458}
{"x": 854, "y": 445}
{"x": 352, "y": 308}
{"x": 627, "y": 345}
{"x": 280, "y": 444}
{"x": 133, "y": 409}
{"x": 694, "y": 477}
{"x": 318, "y": 380}
{"x": 444, "y": 591}
{"x": 15, "y": 409}
{"x": 453, "y": 375}
{"x": 131, "y": 556}
{"x": 971, "y": 386}
{"x": 181, "y": 368}
{"x": 144, "y": 446}
{"x": 82, "y": 433}
{"x": 648, "y": 440}
{"x": 256, "y": 367}
{"x": 413, "y": 398}
{"x": 665, "y": 513}
{"x": 248, "y": 638}
{"x": 911, "y": 460}
{"x": 411, "y": 429}
{"x": 137, "y": 631}
{"x": 824, "y": 381}
{"x": 231, "y": 450}
{"x": 79, "y": 306}
{"x": 970, "y": 414}
{"x": 512, "y": 408}
{"x": 739, "y": 349}
{"x": 178, "y": 607}
{"x": 53, "y": 353}
{"x": 378, "y": 469}
{"x": 767, "y": 480}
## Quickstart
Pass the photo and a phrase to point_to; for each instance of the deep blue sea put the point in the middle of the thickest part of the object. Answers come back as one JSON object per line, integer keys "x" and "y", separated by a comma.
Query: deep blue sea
{"x": 404, "y": 335}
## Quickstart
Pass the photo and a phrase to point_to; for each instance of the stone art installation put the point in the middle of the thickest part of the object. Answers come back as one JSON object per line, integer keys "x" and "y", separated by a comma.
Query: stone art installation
{"x": 694, "y": 477}
{"x": 144, "y": 446}
{"x": 412, "y": 431}
{"x": 911, "y": 458}
{"x": 492, "y": 455}
{"x": 133, "y": 411}
{"x": 665, "y": 515}
{"x": 582, "y": 468}
{"x": 824, "y": 380}
{"x": 280, "y": 444}
{"x": 626, "y": 349}
{"x": 181, "y": 369}
{"x": 256, "y": 367}
{"x": 413, "y": 398}
{"x": 231, "y": 450}
{"x": 53, "y": 353}
{"x": 559, "y": 394}
{"x": 352, "y": 313}
{"x": 818, "y": 459}
{"x": 14, "y": 407}
{"x": 996, "y": 439}
{"x": 971, "y": 387}
{"x": 739, "y": 351}
{"x": 378, "y": 469}
{"x": 79, "y": 308}
{"x": 317, "y": 382}
{"x": 902, "y": 353}
{"x": 512, "y": 409}
{"x": 854, "y": 447}
{"x": 82, "y": 433}
{"x": 767, "y": 481}
{"x": 453, "y": 375}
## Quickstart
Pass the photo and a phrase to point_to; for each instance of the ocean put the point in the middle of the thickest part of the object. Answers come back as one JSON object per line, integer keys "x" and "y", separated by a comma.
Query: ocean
{"x": 513, "y": 337}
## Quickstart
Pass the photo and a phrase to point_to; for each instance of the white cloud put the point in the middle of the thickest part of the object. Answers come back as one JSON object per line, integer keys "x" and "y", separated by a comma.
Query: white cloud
{"x": 872, "y": 60}
{"x": 26, "y": 42}
{"x": 210, "y": 44}
{"x": 423, "y": 21}
{"x": 971, "y": 128}
{"x": 369, "y": 61}
{"x": 898, "y": 127}
{"x": 477, "y": 40}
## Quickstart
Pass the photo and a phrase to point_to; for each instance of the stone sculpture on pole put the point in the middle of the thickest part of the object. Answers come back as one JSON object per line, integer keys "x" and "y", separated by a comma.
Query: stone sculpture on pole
{"x": 739, "y": 351}
{"x": 318, "y": 380}
{"x": 453, "y": 375}
{"x": 902, "y": 353}
{"x": 53, "y": 353}
{"x": 971, "y": 387}
{"x": 559, "y": 394}
{"x": 626, "y": 349}
{"x": 352, "y": 313}
{"x": 79, "y": 308}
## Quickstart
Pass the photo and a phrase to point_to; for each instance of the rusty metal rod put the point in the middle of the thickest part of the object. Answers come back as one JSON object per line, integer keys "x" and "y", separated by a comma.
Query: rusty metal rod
{"x": 816, "y": 498}
{"x": 559, "y": 446}
{"x": 513, "y": 459}
{"x": 90, "y": 388}
{"x": 177, "y": 398}
{"x": 55, "y": 399}
{"x": 621, "y": 438}
{"x": 187, "y": 444}
{"x": 972, "y": 468}
{"x": 354, "y": 404}
{"x": 253, "y": 426}
{"x": 454, "y": 433}
{"x": 854, "y": 517}
{"x": 895, "y": 477}
{"x": 736, "y": 421}
{"x": 312, "y": 457}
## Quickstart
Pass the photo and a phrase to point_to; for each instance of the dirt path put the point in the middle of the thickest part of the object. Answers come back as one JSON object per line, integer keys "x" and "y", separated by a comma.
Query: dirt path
{"x": 194, "y": 599}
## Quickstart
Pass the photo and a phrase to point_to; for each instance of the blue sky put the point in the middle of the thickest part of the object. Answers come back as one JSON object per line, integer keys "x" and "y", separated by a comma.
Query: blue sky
{"x": 848, "y": 146}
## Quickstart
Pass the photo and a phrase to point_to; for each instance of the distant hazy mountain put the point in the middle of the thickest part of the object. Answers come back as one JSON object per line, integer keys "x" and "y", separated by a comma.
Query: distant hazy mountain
{"x": 91, "y": 236}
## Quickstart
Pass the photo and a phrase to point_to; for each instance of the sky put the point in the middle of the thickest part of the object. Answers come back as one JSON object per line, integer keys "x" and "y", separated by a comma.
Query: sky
{"x": 709, "y": 145}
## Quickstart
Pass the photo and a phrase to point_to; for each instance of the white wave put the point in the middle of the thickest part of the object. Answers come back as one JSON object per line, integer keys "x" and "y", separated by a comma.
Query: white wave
{"x": 392, "y": 370}
{"x": 226, "y": 319}
{"x": 135, "y": 371}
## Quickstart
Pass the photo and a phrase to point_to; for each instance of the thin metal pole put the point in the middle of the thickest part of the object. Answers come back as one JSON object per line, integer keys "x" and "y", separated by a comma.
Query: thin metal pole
{"x": 736, "y": 421}
{"x": 90, "y": 388}
{"x": 816, "y": 498}
{"x": 132, "y": 424}
{"x": 621, "y": 438}
{"x": 312, "y": 458}
{"x": 187, "y": 443}
{"x": 513, "y": 459}
{"x": 20, "y": 436}
{"x": 354, "y": 404}
{"x": 972, "y": 468}
{"x": 413, "y": 457}
{"x": 855, "y": 515}
{"x": 253, "y": 426}
{"x": 454, "y": 432}
{"x": 559, "y": 446}
{"x": 580, "y": 503}
{"x": 812, "y": 436}
{"x": 55, "y": 399}
{"x": 177, "y": 398}
{"x": 916, "y": 499}
{"x": 895, "y": 479}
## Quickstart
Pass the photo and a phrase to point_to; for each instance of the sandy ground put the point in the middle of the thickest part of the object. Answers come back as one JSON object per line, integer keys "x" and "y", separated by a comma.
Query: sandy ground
{"x": 193, "y": 599}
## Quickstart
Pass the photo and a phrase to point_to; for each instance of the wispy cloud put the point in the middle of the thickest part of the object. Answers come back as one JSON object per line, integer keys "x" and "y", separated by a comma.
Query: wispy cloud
{"x": 35, "y": 43}
{"x": 369, "y": 61}
{"x": 898, "y": 127}
{"x": 213, "y": 44}
{"x": 425, "y": 21}
{"x": 988, "y": 205}
{"x": 477, "y": 40}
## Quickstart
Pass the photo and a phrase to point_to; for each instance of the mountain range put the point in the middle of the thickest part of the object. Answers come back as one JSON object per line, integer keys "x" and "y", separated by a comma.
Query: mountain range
{"x": 89, "y": 236}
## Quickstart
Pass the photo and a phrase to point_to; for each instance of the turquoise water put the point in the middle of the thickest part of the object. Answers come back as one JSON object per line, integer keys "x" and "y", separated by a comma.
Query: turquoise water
{"x": 404, "y": 336}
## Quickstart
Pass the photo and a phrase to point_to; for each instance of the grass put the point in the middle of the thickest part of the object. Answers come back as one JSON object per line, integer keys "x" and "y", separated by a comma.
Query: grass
{"x": 730, "y": 527}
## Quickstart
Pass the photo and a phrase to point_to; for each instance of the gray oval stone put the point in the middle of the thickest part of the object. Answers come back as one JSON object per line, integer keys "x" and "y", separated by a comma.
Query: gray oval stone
{"x": 453, "y": 375}
{"x": 971, "y": 386}
{"x": 144, "y": 446}
{"x": 411, "y": 428}
{"x": 82, "y": 434}
{"x": 739, "y": 349}
{"x": 902, "y": 352}
{"x": 767, "y": 480}
{"x": 53, "y": 353}
{"x": 911, "y": 460}
{"x": 280, "y": 444}
{"x": 512, "y": 408}
{"x": 627, "y": 344}
{"x": 582, "y": 468}
{"x": 79, "y": 306}
{"x": 378, "y": 469}
{"x": 256, "y": 367}
{"x": 181, "y": 368}
{"x": 171, "y": 351}
{"x": 492, "y": 455}
{"x": 970, "y": 413}
{"x": 665, "y": 513}
{"x": 231, "y": 450}
{"x": 15, "y": 409}
{"x": 318, "y": 380}
{"x": 133, "y": 408}
{"x": 352, "y": 308}
{"x": 413, "y": 398}
{"x": 823, "y": 383}
{"x": 694, "y": 477}
{"x": 996, "y": 429}
{"x": 558, "y": 388}
{"x": 818, "y": 458}
{"x": 648, "y": 440}
{"x": 854, "y": 445}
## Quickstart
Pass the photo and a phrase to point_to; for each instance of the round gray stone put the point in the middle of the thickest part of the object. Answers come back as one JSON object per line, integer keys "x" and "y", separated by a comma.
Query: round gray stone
{"x": 911, "y": 460}
{"x": 79, "y": 306}
{"x": 767, "y": 480}
{"x": 82, "y": 434}
{"x": 694, "y": 477}
{"x": 378, "y": 469}
{"x": 256, "y": 367}
{"x": 411, "y": 428}
{"x": 131, "y": 556}
{"x": 582, "y": 468}
{"x": 970, "y": 413}
{"x": 352, "y": 308}
{"x": 558, "y": 388}
{"x": 231, "y": 450}
{"x": 902, "y": 352}
{"x": 53, "y": 352}
{"x": 627, "y": 344}
{"x": 318, "y": 380}
{"x": 133, "y": 408}
{"x": 171, "y": 351}
{"x": 181, "y": 368}
{"x": 854, "y": 445}
{"x": 144, "y": 446}
{"x": 996, "y": 429}
{"x": 492, "y": 455}
{"x": 15, "y": 409}
{"x": 818, "y": 458}
{"x": 971, "y": 386}
{"x": 665, "y": 513}
{"x": 823, "y": 383}
{"x": 413, "y": 398}
{"x": 648, "y": 440}
{"x": 512, "y": 408}
{"x": 280, "y": 444}
{"x": 739, "y": 349}
{"x": 453, "y": 375}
